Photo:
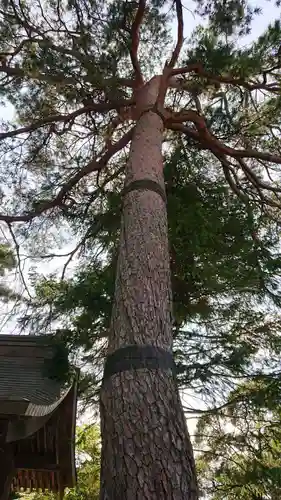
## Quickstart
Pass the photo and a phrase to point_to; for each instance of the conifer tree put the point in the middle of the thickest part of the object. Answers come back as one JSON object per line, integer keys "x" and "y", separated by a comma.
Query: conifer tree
{"x": 94, "y": 101}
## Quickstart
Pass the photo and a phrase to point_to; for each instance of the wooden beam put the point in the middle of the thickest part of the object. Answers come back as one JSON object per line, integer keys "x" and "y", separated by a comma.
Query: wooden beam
{"x": 7, "y": 470}
{"x": 26, "y": 461}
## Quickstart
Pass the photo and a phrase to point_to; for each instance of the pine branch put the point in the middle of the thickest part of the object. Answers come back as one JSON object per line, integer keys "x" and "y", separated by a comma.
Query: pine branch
{"x": 227, "y": 79}
{"x": 17, "y": 72}
{"x": 135, "y": 41}
{"x": 226, "y": 170}
{"x": 89, "y": 233}
{"x": 54, "y": 79}
{"x": 95, "y": 107}
{"x": 209, "y": 141}
{"x": 92, "y": 166}
{"x": 179, "y": 44}
{"x": 17, "y": 249}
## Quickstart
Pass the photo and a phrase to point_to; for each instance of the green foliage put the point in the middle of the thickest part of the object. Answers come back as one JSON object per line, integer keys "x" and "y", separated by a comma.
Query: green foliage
{"x": 7, "y": 263}
{"x": 228, "y": 16}
{"x": 7, "y": 259}
{"x": 242, "y": 444}
{"x": 58, "y": 367}
{"x": 88, "y": 447}
{"x": 225, "y": 265}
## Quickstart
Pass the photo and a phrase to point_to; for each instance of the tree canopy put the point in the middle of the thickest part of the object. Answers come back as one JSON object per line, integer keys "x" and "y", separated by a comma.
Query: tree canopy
{"x": 241, "y": 457}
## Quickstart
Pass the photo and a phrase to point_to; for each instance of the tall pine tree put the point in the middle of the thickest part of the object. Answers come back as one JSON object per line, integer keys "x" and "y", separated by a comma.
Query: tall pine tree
{"x": 94, "y": 101}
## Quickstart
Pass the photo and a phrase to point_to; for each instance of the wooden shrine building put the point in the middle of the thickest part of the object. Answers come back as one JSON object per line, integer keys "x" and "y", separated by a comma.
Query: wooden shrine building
{"x": 37, "y": 419}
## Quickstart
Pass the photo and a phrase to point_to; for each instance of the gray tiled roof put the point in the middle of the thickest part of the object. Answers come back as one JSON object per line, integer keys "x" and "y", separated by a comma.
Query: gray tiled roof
{"x": 21, "y": 370}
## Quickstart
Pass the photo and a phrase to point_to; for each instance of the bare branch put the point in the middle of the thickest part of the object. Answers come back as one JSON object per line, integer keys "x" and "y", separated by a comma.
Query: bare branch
{"x": 92, "y": 166}
{"x": 135, "y": 41}
{"x": 179, "y": 44}
{"x": 17, "y": 249}
{"x": 90, "y": 232}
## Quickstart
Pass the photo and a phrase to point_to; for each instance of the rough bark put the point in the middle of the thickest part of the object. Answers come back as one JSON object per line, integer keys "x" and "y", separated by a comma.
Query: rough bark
{"x": 146, "y": 451}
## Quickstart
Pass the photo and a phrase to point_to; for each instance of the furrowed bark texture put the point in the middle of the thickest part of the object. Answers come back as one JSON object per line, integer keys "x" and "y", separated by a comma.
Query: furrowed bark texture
{"x": 146, "y": 451}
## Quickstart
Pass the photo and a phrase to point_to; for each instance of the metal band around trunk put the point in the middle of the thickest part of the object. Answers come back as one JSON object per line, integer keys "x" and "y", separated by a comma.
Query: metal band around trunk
{"x": 148, "y": 184}
{"x": 134, "y": 357}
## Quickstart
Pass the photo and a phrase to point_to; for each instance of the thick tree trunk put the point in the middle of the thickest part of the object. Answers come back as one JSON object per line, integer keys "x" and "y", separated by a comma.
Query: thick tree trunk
{"x": 146, "y": 452}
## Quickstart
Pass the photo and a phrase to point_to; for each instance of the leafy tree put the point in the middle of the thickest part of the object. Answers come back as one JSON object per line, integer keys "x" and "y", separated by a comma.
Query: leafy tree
{"x": 214, "y": 283}
{"x": 7, "y": 259}
{"x": 241, "y": 457}
{"x": 86, "y": 80}
{"x": 88, "y": 474}
{"x": 7, "y": 263}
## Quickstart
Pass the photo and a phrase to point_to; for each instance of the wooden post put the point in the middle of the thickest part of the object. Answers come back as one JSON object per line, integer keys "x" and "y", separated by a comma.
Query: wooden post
{"x": 7, "y": 470}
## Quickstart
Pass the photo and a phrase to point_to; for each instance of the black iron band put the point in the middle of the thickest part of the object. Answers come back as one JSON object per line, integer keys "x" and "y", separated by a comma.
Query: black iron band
{"x": 134, "y": 357}
{"x": 148, "y": 184}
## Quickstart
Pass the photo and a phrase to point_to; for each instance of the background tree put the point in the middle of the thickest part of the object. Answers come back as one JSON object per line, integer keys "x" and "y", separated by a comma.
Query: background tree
{"x": 88, "y": 474}
{"x": 241, "y": 457}
{"x": 8, "y": 262}
{"x": 216, "y": 337}
{"x": 65, "y": 70}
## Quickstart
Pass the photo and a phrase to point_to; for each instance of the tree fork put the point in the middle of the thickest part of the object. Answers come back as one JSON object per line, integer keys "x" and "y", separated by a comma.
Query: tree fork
{"x": 146, "y": 452}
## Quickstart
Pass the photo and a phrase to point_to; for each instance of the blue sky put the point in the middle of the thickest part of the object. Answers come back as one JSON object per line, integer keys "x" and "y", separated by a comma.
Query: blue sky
{"x": 269, "y": 13}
